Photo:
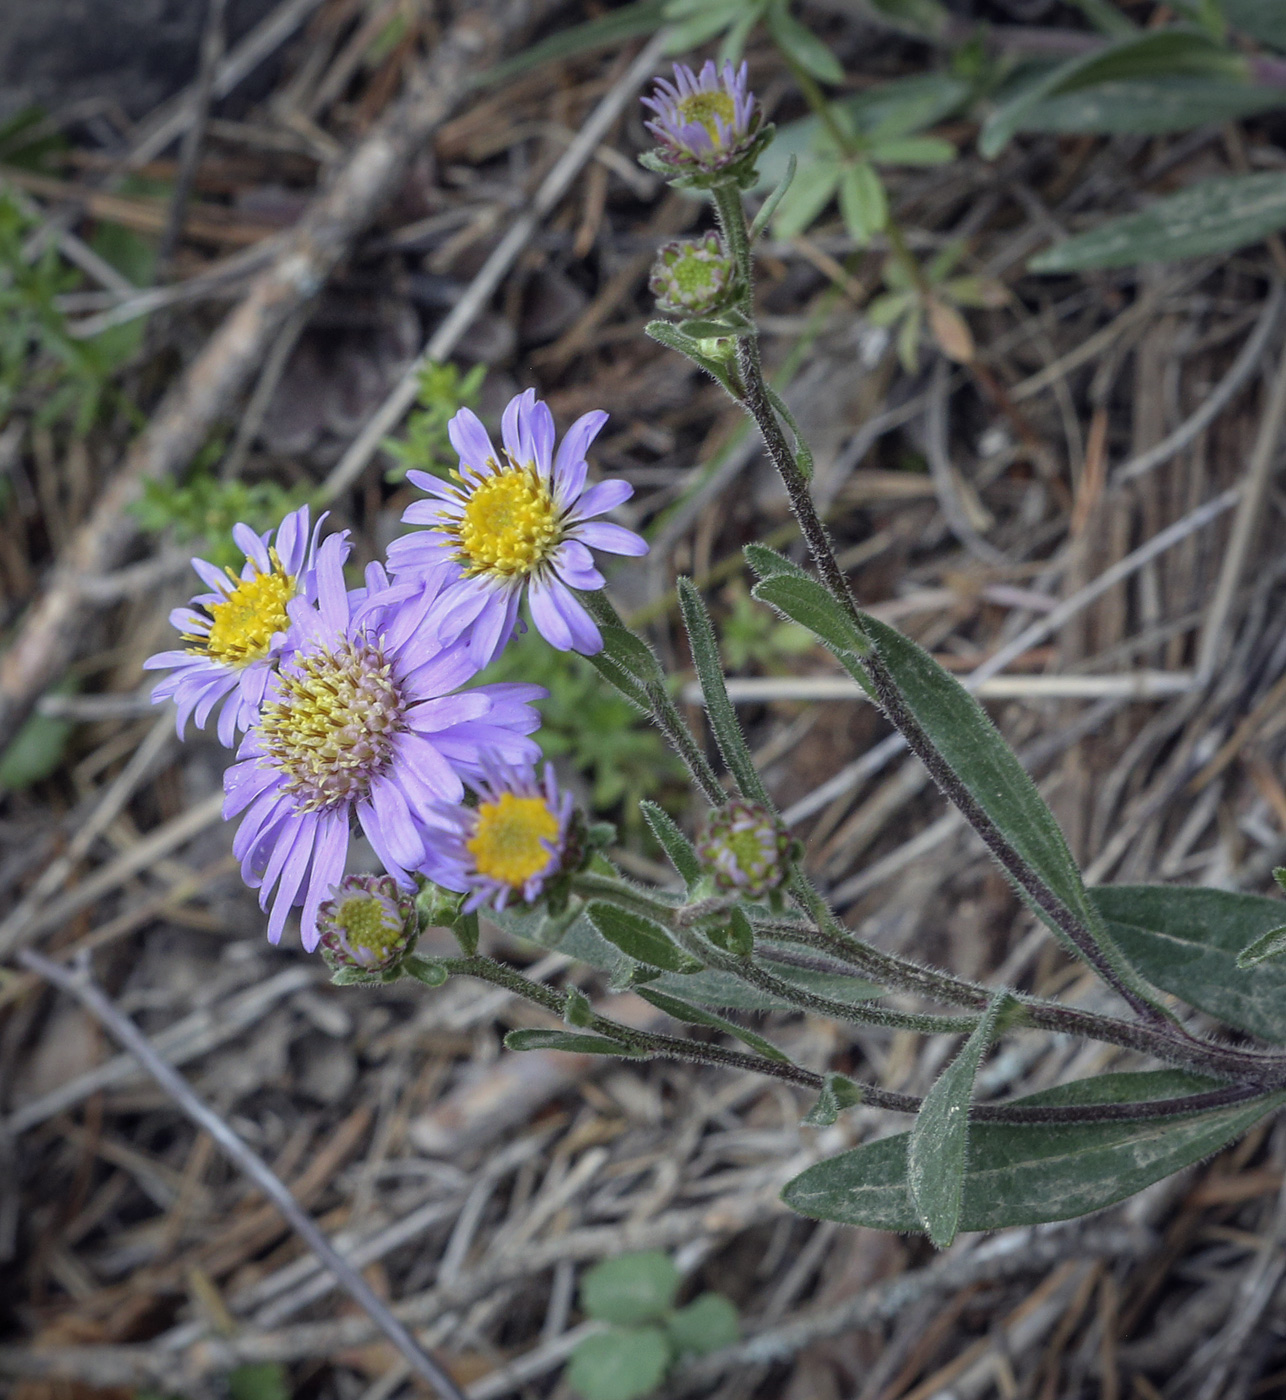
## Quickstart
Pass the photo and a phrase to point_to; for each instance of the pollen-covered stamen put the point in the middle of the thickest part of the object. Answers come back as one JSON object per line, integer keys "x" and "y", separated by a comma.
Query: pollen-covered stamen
{"x": 331, "y": 725}
{"x": 243, "y": 625}
{"x": 510, "y": 523}
{"x": 511, "y": 840}
{"x": 708, "y": 108}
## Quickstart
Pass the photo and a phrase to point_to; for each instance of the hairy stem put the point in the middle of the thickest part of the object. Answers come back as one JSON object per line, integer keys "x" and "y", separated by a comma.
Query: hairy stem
{"x": 655, "y": 1045}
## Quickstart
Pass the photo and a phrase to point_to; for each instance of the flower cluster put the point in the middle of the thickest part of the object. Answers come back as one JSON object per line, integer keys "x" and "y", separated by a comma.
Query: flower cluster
{"x": 355, "y": 706}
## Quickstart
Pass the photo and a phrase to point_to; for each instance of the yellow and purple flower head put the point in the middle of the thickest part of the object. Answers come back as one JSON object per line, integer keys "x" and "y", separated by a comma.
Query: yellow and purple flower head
{"x": 704, "y": 121}
{"x": 364, "y": 725}
{"x": 745, "y": 849}
{"x": 519, "y": 519}
{"x": 236, "y": 632}
{"x": 518, "y": 838}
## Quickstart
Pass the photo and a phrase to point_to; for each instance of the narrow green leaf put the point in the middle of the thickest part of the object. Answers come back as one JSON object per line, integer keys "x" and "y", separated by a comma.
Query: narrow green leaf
{"x": 639, "y": 937}
{"x": 768, "y": 563}
{"x": 608, "y": 31}
{"x": 708, "y": 1323}
{"x": 804, "y": 600}
{"x": 35, "y": 751}
{"x": 1261, "y": 19}
{"x": 939, "y": 1142}
{"x": 912, "y": 150}
{"x": 799, "y": 42}
{"x": 1211, "y": 217}
{"x": 698, "y": 1016}
{"x": 810, "y": 192}
{"x": 1188, "y": 941}
{"x": 972, "y": 747}
{"x": 862, "y": 201}
{"x": 712, "y": 988}
{"x": 1105, "y": 17}
{"x": 926, "y": 18}
{"x": 1171, "y": 52}
{"x": 1030, "y": 1174}
{"x": 723, "y": 718}
{"x": 621, "y": 1364}
{"x": 632, "y": 654}
{"x": 769, "y": 207}
{"x": 680, "y": 851}
{"x": 803, "y": 453}
{"x": 630, "y": 1288}
{"x": 1269, "y": 947}
{"x": 1151, "y": 106}
{"x": 570, "y": 1041}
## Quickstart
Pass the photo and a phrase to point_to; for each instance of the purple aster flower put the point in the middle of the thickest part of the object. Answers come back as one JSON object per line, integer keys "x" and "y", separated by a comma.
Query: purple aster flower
{"x": 705, "y": 120}
{"x": 519, "y": 836}
{"x": 745, "y": 848}
{"x": 236, "y": 632}
{"x": 363, "y": 724}
{"x": 515, "y": 519}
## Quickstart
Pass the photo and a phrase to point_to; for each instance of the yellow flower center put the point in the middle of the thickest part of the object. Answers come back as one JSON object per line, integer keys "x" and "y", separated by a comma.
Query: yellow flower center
{"x": 331, "y": 726}
{"x": 367, "y": 926}
{"x": 705, "y": 107}
{"x": 510, "y": 523}
{"x": 508, "y": 843}
{"x": 242, "y": 626}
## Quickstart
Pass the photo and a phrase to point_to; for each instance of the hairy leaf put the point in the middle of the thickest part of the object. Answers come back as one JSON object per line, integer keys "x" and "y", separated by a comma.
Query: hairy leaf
{"x": 640, "y": 938}
{"x": 1187, "y": 941}
{"x": 573, "y": 1042}
{"x": 1210, "y": 217}
{"x": 698, "y": 1016}
{"x": 939, "y": 1141}
{"x": 1030, "y": 1174}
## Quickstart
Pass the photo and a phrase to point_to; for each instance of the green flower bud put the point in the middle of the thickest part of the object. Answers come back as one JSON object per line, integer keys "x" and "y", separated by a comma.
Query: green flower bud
{"x": 368, "y": 925}
{"x": 693, "y": 277}
{"x": 745, "y": 849}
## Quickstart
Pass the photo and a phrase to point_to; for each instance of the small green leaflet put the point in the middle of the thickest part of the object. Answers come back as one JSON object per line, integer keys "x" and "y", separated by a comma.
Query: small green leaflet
{"x": 631, "y": 1288}
{"x": 640, "y": 938}
{"x": 698, "y": 1016}
{"x": 722, "y": 989}
{"x": 802, "y": 599}
{"x": 1188, "y": 941}
{"x": 625, "y": 1363}
{"x": 672, "y": 841}
{"x": 1211, "y": 217}
{"x": 837, "y": 1093}
{"x": 572, "y": 1042}
{"x": 708, "y": 1323}
{"x": 939, "y": 1142}
{"x": 1269, "y": 947}
{"x": 1030, "y": 1174}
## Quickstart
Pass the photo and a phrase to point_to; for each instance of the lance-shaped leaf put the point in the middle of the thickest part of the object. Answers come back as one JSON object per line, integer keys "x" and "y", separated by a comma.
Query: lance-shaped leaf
{"x": 1152, "y": 106}
{"x": 966, "y": 739}
{"x": 698, "y": 1016}
{"x": 673, "y": 842}
{"x": 1187, "y": 941}
{"x": 802, "y": 599}
{"x": 939, "y": 1142}
{"x": 768, "y": 563}
{"x": 632, "y": 654}
{"x": 1032, "y": 1173}
{"x": 640, "y": 938}
{"x": 573, "y": 1042}
{"x": 1169, "y": 52}
{"x": 723, "y": 718}
{"x": 713, "y": 988}
{"x": 1211, "y": 217}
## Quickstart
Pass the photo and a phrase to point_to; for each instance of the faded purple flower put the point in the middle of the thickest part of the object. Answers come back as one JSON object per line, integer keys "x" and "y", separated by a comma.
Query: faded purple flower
{"x": 521, "y": 518}
{"x": 705, "y": 120}
{"x": 368, "y": 924}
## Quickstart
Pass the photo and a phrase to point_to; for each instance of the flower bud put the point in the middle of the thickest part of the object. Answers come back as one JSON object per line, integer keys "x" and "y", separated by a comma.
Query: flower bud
{"x": 369, "y": 924}
{"x": 692, "y": 277}
{"x": 704, "y": 123}
{"x": 745, "y": 849}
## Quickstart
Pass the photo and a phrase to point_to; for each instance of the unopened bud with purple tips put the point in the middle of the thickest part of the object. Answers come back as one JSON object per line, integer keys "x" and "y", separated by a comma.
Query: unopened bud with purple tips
{"x": 693, "y": 277}
{"x": 368, "y": 925}
{"x": 745, "y": 849}
{"x": 704, "y": 123}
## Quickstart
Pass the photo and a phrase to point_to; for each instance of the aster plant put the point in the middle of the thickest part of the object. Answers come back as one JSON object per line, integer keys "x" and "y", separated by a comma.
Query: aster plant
{"x": 361, "y": 711}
